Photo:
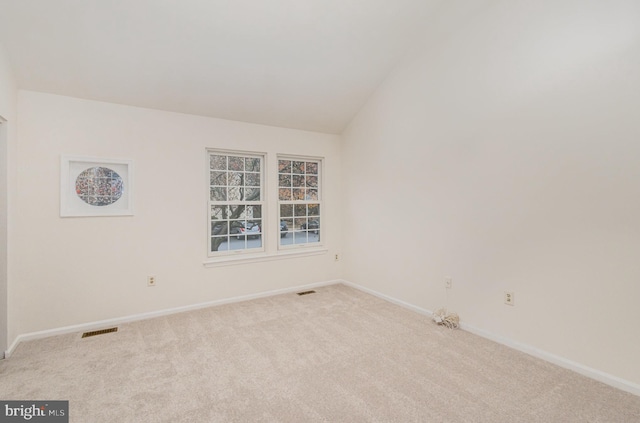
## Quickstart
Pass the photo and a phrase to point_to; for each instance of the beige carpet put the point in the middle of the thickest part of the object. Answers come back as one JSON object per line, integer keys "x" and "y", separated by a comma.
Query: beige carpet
{"x": 339, "y": 355}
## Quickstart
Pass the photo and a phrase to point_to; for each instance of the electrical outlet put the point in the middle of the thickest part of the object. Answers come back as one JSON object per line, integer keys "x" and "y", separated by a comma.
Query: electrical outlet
{"x": 448, "y": 283}
{"x": 337, "y": 257}
{"x": 509, "y": 298}
{"x": 151, "y": 281}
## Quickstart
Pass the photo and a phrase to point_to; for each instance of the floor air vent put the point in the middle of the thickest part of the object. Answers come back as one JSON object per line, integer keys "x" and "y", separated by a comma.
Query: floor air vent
{"x": 99, "y": 332}
{"x": 306, "y": 292}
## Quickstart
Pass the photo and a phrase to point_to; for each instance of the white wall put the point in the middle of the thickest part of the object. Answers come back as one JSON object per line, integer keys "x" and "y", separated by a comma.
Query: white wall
{"x": 506, "y": 155}
{"x": 8, "y": 94}
{"x": 68, "y": 271}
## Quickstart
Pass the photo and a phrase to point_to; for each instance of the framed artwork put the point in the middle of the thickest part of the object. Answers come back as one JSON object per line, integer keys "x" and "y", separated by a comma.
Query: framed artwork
{"x": 95, "y": 187}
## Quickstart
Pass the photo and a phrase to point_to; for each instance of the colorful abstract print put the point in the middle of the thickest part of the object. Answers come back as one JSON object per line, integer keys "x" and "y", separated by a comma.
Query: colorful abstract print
{"x": 99, "y": 186}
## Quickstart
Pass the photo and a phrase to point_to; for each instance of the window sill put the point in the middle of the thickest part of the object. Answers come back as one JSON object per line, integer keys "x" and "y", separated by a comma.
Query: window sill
{"x": 263, "y": 257}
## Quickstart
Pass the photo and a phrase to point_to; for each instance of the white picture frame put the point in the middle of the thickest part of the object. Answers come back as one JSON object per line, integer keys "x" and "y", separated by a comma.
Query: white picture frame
{"x": 91, "y": 186}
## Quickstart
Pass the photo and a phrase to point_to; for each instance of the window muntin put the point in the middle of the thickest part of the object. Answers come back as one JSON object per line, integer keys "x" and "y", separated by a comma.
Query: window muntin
{"x": 235, "y": 202}
{"x": 299, "y": 201}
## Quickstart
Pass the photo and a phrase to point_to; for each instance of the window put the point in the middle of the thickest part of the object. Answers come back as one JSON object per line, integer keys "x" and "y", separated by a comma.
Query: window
{"x": 235, "y": 202}
{"x": 299, "y": 198}
{"x": 238, "y": 204}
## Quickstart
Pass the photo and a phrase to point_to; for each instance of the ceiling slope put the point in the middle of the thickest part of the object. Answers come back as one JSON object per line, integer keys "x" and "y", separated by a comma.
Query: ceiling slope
{"x": 305, "y": 64}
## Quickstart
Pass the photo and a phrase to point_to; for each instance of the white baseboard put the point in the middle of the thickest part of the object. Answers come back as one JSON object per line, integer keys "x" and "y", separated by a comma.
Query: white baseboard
{"x": 388, "y": 298}
{"x": 149, "y": 315}
{"x": 603, "y": 377}
{"x": 589, "y": 372}
{"x": 598, "y": 375}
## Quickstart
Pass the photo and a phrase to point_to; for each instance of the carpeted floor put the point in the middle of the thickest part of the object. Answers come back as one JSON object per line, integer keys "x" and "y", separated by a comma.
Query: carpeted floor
{"x": 338, "y": 355}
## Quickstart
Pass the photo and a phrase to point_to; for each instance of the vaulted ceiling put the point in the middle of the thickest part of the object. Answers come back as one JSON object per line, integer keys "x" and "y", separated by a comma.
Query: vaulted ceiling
{"x": 306, "y": 64}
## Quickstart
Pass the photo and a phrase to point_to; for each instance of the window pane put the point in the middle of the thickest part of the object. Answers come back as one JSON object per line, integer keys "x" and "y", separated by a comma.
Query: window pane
{"x": 252, "y": 165}
{"x": 284, "y": 180}
{"x": 298, "y": 194}
{"x": 218, "y": 178}
{"x": 218, "y": 212}
{"x": 300, "y": 222}
{"x": 219, "y": 243}
{"x": 254, "y": 212}
{"x": 286, "y": 210}
{"x": 236, "y": 179}
{"x": 312, "y": 181}
{"x": 298, "y": 181}
{"x": 235, "y": 227}
{"x": 313, "y": 237}
{"x": 254, "y": 243}
{"x": 236, "y": 163}
{"x": 312, "y": 168}
{"x": 284, "y": 194}
{"x": 300, "y": 210}
{"x": 298, "y": 167}
{"x": 312, "y": 194}
{"x": 284, "y": 166}
{"x": 314, "y": 209}
{"x": 235, "y": 194}
{"x": 252, "y": 194}
{"x": 219, "y": 194}
{"x": 252, "y": 179}
{"x": 218, "y": 162}
{"x": 219, "y": 228}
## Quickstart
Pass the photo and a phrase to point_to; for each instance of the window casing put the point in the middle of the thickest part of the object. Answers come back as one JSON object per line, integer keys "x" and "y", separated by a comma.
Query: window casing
{"x": 236, "y": 202}
{"x": 299, "y": 201}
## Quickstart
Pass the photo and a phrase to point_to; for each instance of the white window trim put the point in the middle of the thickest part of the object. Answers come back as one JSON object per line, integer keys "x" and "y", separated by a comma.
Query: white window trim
{"x": 284, "y": 249}
{"x": 245, "y": 253}
{"x": 271, "y": 249}
{"x": 259, "y": 258}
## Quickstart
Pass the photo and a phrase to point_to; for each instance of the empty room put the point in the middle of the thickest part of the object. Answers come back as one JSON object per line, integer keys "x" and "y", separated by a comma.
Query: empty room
{"x": 319, "y": 211}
